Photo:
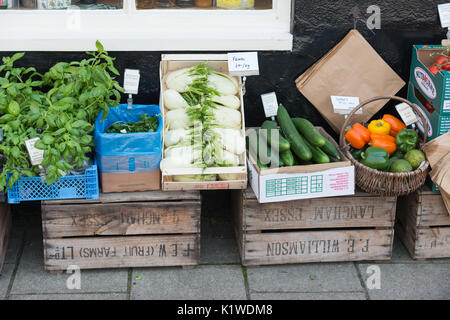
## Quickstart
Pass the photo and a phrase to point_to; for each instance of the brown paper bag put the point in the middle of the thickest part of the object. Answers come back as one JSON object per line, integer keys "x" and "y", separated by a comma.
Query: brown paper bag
{"x": 352, "y": 68}
{"x": 441, "y": 176}
{"x": 436, "y": 149}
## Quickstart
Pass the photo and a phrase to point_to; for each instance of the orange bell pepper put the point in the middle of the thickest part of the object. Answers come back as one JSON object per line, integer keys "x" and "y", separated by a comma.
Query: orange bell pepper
{"x": 358, "y": 136}
{"x": 382, "y": 136}
{"x": 396, "y": 124}
{"x": 384, "y": 141}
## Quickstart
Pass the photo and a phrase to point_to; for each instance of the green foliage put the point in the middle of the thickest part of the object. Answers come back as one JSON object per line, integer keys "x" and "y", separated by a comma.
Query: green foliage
{"x": 60, "y": 107}
{"x": 145, "y": 124}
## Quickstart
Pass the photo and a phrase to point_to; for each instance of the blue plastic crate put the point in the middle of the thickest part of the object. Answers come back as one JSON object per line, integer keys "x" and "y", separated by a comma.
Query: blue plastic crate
{"x": 69, "y": 187}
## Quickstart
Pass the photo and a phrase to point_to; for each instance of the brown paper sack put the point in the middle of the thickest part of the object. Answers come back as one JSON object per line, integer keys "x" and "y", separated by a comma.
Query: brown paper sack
{"x": 436, "y": 149}
{"x": 441, "y": 176}
{"x": 352, "y": 68}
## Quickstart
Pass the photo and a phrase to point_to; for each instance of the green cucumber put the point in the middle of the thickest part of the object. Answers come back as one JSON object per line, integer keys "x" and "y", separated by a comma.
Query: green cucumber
{"x": 318, "y": 155}
{"x": 282, "y": 145}
{"x": 271, "y": 157}
{"x": 331, "y": 150}
{"x": 288, "y": 158}
{"x": 298, "y": 143}
{"x": 309, "y": 132}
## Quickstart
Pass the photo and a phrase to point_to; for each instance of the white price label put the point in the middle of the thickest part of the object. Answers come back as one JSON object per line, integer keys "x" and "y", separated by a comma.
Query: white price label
{"x": 270, "y": 104}
{"x": 345, "y": 105}
{"x": 243, "y": 64}
{"x": 444, "y": 14}
{"x": 131, "y": 81}
{"x": 406, "y": 113}
{"x": 36, "y": 155}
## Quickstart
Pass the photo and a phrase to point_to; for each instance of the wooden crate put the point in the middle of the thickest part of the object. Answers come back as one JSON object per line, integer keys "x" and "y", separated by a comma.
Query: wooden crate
{"x": 5, "y": 226}
{"x": 218, "y": 62}
{"x": 351, "y": 228}
{"x": 423, "y": 225}
{"x": 119, "y": 230}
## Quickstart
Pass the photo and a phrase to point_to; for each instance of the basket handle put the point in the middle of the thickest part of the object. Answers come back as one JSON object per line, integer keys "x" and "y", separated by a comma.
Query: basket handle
{"x": 425, "y": 123}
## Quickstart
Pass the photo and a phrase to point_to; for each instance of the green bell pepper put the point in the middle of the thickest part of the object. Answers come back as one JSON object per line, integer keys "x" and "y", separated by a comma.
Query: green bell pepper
{"x": 356, "y": 153}
{"x": 407, "y": 140}
{"x": 375, "y": 158}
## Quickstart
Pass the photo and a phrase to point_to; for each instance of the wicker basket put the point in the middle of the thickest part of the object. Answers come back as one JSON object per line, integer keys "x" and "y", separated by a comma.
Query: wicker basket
{"x": 385, "y": 183}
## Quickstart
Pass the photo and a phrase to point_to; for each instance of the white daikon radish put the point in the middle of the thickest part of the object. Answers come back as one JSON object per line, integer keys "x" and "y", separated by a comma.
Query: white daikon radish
{"x": 231, "y": 139}
{"x": 174, "y": 74}
{"x": 173, "y": 137}
{"x": 226, "y": 118}
{"x": 181, "y": 157}
{"x": 173, "y": 100}
{"x": 226, "y": 158}
{"x": 177, "y": 119}
{"x": 223, "y": 83}
{"x": 232, "y": 102}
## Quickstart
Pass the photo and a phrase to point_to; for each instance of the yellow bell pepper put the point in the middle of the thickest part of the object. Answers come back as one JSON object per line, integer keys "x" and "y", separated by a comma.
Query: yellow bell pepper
{"x": 379, "y": 127}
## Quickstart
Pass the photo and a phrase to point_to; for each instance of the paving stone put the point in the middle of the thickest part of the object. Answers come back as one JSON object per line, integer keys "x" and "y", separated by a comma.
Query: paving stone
{"x": 309, "y": 296}
{"x": 425, "y": 281}
{"x": 32, "y": 278}
{"x": 5, "y": 278}
{"x": 201, "y": 283}
{"x": 94, "y": 296}
{"x": 213, "y": 250}
{"x": 304, "y": 278}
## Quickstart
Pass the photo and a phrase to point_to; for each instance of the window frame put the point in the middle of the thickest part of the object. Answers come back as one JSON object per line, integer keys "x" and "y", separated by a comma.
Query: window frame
{"x": 132, "y": 29}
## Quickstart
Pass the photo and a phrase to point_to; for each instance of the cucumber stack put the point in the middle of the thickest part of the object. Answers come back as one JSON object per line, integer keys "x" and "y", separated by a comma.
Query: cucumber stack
{"x": 300, "y": 143}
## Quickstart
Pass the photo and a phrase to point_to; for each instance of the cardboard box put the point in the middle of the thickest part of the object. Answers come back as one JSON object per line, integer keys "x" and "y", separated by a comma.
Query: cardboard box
{"x": 438, "y": 124}
{"x": 219, "y": 62}
{"x": 128, "y": 182}
{"x": 436, "y": 89}
{"x": 303, "y": 182}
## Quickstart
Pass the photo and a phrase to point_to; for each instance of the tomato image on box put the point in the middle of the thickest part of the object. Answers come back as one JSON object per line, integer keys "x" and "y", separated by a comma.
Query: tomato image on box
{"x": 429, "y": 87}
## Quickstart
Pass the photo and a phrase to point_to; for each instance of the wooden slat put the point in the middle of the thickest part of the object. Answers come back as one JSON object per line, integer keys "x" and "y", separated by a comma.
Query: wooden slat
{"x": 342, "y": 212}
{"x": 136, "y": 218}
{"x": 317, "y": 246}
{"x": 5, "y": 226}
{"x": 121, "y": 252}
{"x": 134, "y": 197}
{"x": 432, "y": 243}
{"x": 216, "y": 185}
{"x": 432, "y": 211}
{"x": 407, "y": 237}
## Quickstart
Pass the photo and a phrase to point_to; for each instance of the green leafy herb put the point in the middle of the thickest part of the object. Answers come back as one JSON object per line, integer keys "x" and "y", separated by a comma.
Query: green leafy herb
{"x": 145, "y": 124}
{"x": 60, "y": 107}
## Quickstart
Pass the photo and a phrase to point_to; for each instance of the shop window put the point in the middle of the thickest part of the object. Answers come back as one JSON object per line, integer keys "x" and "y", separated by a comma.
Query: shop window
{"x": 63, "y": 4}
{"x": 146, "y": 25}
{"x": 205, "y": 4}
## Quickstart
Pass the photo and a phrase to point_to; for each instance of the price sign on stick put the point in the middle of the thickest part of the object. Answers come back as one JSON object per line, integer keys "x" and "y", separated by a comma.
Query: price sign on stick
{"x": 270, "y": 104}
{"x": 406, "y": 113}
{"x": 344, "y": 105}
{"x": 243, "y": 64}
{"x": 131, "y": 81}
{"x": 36, "y": 155}
{"x": 444, "y": 14}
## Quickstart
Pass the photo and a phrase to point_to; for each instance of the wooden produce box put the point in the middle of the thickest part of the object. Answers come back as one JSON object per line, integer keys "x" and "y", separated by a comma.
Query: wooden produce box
{"x": 218, "y": 62}
{"x": 353, "y": 228}
{"x": 423, "y": 225}
{"x": 120, "y": 230}
{"x": 5, "y": 226}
